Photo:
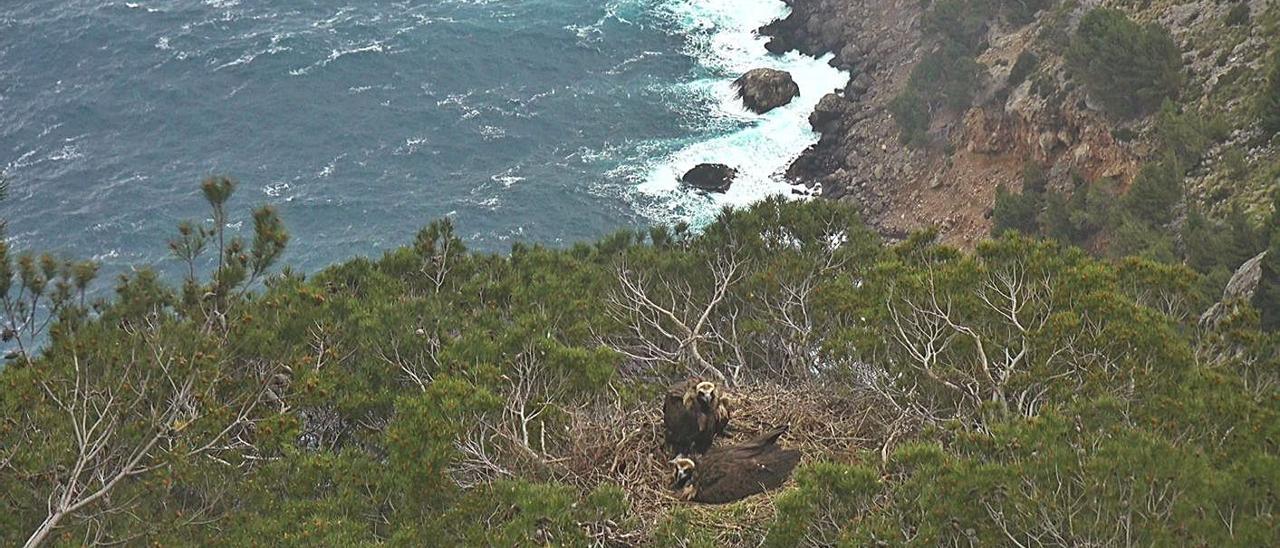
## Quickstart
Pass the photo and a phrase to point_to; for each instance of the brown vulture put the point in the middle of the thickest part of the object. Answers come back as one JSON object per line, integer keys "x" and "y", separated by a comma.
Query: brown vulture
{"x": 726, "y": 474}
{"x": 693, "y": 413}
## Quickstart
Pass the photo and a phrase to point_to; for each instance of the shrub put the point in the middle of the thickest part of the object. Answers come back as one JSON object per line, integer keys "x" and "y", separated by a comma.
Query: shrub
{"x": 1186, "y": 135}
{"x": 1237, "y": 15}
{"x": 912, "y": 115}
{"x": 962, "y": 23}
{"x": 1268, "y": 102}
{"x": 1022, "y": 68}
{"x": 1021, "y": 212}
{"x": 1016, "y": 212}
{"x": 947, "y": 78}
{"x": 1130, "y": 68}
{"x": 1156, "y": 189}
{"x": 1268, "y": 299}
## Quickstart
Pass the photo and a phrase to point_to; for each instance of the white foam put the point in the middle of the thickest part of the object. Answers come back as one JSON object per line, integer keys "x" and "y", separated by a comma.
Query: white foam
{"x": 722, "y": 37}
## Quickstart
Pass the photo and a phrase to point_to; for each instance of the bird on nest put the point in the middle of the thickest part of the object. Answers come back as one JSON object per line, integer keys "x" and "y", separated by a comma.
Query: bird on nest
{"x": 693, "y": 413}
{"x": 727, "y": 474}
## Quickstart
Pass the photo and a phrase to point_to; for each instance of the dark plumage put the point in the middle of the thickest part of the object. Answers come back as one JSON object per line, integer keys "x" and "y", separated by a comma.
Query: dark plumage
{"x": 726, "y": 474}
{"x": 693, "y": 413}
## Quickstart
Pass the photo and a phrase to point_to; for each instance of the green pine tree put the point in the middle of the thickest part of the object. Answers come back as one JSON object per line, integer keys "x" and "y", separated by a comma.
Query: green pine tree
{"x": 1130, "y": 68}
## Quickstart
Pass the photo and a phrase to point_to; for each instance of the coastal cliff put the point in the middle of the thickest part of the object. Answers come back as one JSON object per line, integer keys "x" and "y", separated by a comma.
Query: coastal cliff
{"x": 1027, "y": 109}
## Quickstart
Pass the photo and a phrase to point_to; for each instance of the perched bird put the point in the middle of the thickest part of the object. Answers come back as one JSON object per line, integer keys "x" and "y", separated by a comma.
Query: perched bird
{"x": 726, "y": 474}
{"x": 693, "y": 413}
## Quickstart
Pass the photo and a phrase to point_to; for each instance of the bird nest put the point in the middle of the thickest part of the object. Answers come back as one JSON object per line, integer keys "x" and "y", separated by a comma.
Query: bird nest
{"x": 624, "y": 447}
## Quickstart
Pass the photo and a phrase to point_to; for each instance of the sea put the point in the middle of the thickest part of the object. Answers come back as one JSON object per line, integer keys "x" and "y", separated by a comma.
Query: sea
{"x": 539, "y": 121}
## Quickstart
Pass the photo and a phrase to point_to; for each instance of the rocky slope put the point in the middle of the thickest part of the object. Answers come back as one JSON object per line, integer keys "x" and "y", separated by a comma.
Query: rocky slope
{"x": 1042, "y": 117}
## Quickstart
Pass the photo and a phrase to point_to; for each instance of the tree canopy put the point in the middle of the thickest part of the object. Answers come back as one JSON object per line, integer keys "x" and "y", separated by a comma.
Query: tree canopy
{"x": 1024, "y": 392}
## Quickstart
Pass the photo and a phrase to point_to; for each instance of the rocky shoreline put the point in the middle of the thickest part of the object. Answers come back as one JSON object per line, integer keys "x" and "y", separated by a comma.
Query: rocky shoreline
{"x": 857, "y": 158}
{"x": 950, "y": 184}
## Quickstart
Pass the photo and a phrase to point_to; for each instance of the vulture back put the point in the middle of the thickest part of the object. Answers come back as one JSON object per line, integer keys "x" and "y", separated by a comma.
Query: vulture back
{"x": 733, "y": 473}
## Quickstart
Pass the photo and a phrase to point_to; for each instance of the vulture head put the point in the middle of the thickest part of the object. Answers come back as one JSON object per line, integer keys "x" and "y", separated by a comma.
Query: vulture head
{"x": 683, "y": 483}
{"x": 706, "y": 393}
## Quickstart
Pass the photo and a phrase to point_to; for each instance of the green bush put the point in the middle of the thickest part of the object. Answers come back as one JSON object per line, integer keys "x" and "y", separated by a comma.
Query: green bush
{"x": 1156, "y": 189}
{"x": 946, "y": 78}
{"x": 1022, "y": 68}
{"x": 1130, "y": 68}
{"x": 1268, "y": 298}
{"x": 1186, "y": 135}
{"x": 1238, "y": 14}
{"x": 1021, "y": 212}
{"x": 1268, "y": 102}
{"x": 912, "y": 115}
{"x": 1018, "y": 212}
{"x": 960, "y": 23}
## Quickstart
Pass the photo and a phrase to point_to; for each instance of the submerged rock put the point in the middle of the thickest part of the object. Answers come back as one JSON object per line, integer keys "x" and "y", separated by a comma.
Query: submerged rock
{"x": 763, "y": 89}
{"x": 710, "y": 177}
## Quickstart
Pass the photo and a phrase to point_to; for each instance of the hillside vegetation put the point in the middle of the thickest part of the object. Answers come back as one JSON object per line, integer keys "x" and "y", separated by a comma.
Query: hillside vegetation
{"x": 1022, "y": 393}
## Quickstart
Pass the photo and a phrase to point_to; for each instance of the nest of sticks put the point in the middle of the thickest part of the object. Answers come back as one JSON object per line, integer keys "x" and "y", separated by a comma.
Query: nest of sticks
{"x": 610, "y": 444}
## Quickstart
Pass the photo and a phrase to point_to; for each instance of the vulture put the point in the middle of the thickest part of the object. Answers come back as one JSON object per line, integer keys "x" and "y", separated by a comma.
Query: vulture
{"x": 726, "y": 474}
{"x": 693, "y": 413}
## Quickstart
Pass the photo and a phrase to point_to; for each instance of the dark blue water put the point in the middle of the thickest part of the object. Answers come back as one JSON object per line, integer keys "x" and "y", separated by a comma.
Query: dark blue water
{"x": 541, "y": 120}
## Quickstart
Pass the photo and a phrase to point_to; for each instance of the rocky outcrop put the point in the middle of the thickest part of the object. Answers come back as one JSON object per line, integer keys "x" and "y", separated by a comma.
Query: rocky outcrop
{"x": 950, "y": 181}
{"x": 710, "y": 177}
{"x": 765, "y": 89}
{"x": 1242, "y": 288}
{"x": 830, "y": 112}
{"x": 814, "y": 27}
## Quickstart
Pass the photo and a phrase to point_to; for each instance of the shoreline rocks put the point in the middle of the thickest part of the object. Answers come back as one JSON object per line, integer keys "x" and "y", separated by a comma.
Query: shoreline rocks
{"x": 857, "y": 158}
{"x": 710, "y": 177}
{"x": 765, "y": 89}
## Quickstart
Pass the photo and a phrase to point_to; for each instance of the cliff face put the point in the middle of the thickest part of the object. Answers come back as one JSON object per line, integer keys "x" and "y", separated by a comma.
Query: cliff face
{"x": 950, "y": 183}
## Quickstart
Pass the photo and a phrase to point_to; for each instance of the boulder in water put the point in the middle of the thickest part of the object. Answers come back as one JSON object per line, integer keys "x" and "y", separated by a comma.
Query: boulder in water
{"x": 764, "y": 89}
{"x": 710, "y": 177}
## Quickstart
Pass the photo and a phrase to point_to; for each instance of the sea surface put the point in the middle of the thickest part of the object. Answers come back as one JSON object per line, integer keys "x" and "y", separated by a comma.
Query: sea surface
{"x": 549, "y": 121}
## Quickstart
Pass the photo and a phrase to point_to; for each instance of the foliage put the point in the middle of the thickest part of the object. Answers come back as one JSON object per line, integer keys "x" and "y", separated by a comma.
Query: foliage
{"x": 944, "y": 79}
{"x": 1130, "y": 68}
{"x": 1156, "y": 189}
{"x": 911, "y": 112}
{"x": 1237, "y": 15}
{"x": 1026, "y": 64}
{"x": 438, "y": 395}
{"x": 1268, "y": 100}
{"x": 1268, "y": 298}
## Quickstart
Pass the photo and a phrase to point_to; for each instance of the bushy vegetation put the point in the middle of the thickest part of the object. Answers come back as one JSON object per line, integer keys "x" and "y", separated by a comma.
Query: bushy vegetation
{"x": 1268, "y": 102}
{"x": 1023, "y": 67}
{"x": 944, "y": 79}
{"x": 1153, "y": 217}
{"x": 1129, "y": 68}
{"x": 1023, "y": 391}
{"x": 948, "y": 76}
{"x": 1237, "y": 15}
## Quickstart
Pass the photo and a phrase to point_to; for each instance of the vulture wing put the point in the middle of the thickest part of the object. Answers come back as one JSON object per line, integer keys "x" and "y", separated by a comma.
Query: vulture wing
{"x": 680, "y": 424}
{"x": 738, "y": 472}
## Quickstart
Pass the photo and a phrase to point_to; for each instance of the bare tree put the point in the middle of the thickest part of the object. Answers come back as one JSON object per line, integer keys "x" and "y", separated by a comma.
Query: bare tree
{"x": 795, "y": 338}
{"x": 416, "y": 363}
{"x": 130, "y": 419}
{"x": 668, "y": 322}
{"x": 1014, "y": 306}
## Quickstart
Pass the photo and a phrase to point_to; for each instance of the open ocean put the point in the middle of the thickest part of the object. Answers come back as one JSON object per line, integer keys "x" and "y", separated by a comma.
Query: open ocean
{"x": 547, "y": 121}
